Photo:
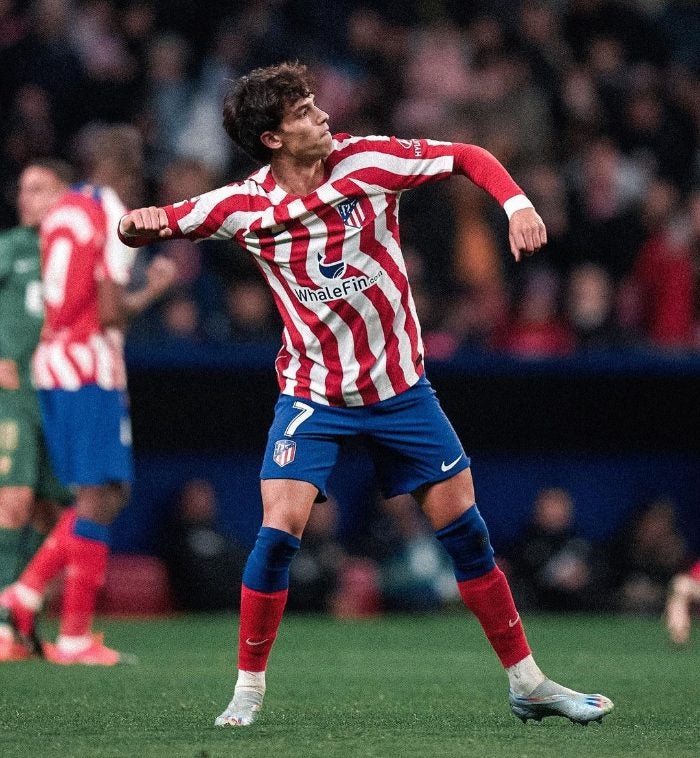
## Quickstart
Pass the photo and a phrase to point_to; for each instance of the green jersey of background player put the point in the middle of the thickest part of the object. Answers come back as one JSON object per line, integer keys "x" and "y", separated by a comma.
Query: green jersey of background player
{"x": 28, "y": 489}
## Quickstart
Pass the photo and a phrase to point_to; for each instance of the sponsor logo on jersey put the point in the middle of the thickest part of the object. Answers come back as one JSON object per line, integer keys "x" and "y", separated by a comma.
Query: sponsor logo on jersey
{"x": 285, "y": 451}
{"x": 412, "y": 144}
{"x": 336, "y": 292}
{"x": 331, "y": 270}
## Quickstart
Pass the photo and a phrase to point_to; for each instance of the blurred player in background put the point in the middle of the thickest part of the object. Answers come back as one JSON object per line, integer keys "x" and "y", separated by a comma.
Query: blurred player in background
{"x": 684, "y": 593}
{"x": 321, "y": 219}
{"x": 79, "y": 370}
{"x": 29, "y": 492}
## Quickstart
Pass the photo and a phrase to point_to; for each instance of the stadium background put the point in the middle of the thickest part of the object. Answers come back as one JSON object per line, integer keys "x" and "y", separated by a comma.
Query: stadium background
{"x": 593, "y": 105}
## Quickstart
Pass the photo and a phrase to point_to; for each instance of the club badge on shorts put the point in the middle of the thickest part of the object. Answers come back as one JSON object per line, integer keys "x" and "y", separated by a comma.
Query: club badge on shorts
{"x": 284, "y": 452}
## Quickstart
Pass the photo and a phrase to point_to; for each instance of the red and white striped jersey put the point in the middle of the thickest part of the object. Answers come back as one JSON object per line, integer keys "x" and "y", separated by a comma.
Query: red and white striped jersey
{"x": 333, "y": 260}
{"x": 79, "y": 248}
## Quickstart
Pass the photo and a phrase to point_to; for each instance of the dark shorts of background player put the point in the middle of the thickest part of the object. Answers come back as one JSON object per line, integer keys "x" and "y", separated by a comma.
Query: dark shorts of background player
{"x": 24, "y": 459}
{"x": 410, "y": 439}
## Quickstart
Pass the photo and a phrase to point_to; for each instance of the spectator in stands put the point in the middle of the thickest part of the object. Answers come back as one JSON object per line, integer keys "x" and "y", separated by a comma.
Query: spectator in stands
{"x": 180, "y": 317}
{"x": 648, "y": 551}
{"x": 415, "y": 573}
{"x": 591, "y": 309}
{"x": 315, "y": 573}
{"x": 205, "y": 565}
{"x": 251, "y": 312}
{"x": 663, "y": 278}
{"x": 537, "y": 329}
{"x": 553, "y": 568}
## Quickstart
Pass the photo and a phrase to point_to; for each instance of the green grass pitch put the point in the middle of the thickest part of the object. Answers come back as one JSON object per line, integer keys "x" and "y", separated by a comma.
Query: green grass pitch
{"x": 397, "y": 686}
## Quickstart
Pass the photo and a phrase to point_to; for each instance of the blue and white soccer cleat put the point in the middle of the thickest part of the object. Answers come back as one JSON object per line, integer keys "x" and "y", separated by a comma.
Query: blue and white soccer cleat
{"x": 243, "y": 708}
{"x": 551, "y": 699}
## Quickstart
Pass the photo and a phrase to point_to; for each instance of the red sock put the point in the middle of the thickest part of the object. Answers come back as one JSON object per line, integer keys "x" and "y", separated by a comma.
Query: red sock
{"x": 85, "y": 574}
{"x": 489, "y": 598}
{"x": 52, "y": 556}
{"x": 261, "y": 614}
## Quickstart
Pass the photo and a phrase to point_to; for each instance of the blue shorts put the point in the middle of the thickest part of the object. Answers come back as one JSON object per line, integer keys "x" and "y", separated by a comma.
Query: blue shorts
{"x": 411, "y": 441}
{"x": 88, "y": 434}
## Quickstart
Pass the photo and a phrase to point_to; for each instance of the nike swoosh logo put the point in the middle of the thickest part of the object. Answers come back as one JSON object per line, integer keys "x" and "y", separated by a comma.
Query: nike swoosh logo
{"x": 447, "y": 466}
{"x": 256, "y": 642}
{"x": 512, "y": 623}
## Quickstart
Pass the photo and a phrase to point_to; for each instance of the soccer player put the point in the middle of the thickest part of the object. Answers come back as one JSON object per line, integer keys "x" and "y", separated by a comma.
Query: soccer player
{"x": 29, "y": 491}
{"x": 683, "y": 594}
{"x": 321, "y": 220}
{"x": 79, "y": 370}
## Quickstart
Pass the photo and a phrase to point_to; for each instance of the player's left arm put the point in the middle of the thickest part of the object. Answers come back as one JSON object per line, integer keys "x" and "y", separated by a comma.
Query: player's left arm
{"x": 398, "y": 164}
{"x": 526, "y": 230}
{"x": 119, "y": 306}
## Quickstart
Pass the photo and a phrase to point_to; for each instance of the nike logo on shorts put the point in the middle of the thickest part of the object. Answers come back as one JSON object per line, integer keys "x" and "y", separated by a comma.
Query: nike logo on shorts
{"x": 512, "y": 623}
{"x": 447, "y": 466}
{"x": 253, "y": 643}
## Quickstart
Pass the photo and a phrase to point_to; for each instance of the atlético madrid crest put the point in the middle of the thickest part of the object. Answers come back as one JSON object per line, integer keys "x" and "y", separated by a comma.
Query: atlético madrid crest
{"x": 284, "y": 452}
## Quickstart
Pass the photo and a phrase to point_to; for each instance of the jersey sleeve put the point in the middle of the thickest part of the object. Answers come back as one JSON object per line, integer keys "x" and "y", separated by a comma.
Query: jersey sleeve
{"x": 218, "y": 214}
{"x": 395, "y": 164}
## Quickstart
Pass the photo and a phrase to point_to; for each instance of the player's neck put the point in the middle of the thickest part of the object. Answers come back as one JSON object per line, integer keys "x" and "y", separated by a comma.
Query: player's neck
{"x": 297, "y": 178}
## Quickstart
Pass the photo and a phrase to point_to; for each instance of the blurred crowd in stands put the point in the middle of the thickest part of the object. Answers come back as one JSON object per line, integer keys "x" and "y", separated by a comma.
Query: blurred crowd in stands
{"x": 398, "y": 566}
{"x": 593, "y": 105}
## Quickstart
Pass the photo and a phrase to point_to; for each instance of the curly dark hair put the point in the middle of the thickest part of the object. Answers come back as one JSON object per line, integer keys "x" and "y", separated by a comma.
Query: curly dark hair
{"x": 255, "y": 104}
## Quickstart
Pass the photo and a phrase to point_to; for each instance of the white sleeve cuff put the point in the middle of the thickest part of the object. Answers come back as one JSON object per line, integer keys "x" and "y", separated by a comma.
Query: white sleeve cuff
{"x": 516, "y": 203}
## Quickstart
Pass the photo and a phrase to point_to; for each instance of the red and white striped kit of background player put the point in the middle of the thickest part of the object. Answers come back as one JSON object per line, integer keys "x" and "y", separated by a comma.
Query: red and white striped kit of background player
{"x": 333, "y": 260}
{"x": 79, "y": 247}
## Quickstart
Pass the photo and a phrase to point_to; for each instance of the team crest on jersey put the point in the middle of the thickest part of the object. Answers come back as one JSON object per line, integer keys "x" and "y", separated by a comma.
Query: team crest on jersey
{"x": 285, "y": 451}
{"x": 351, "y": 212}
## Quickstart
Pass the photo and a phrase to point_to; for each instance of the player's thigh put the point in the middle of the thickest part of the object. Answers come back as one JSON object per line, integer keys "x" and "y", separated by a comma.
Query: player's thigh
{"x": 445, "y": 501}
{"x": 414, "y": 444}
{"x": 287, "y": 504}
{"x": 303, "y": 443}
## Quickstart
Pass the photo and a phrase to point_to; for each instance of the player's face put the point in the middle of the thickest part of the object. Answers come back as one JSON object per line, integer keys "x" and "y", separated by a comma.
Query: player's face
{"x": 39, "y": 189}
{"x": 304, "y": 132}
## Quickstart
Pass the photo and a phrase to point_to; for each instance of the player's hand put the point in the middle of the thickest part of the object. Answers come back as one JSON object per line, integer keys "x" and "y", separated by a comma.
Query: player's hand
{"x": 148, "y": 222}
{"x": 161, "y": 275}
{"x": 9, "y": 376}
{"x": 527, "y": 233}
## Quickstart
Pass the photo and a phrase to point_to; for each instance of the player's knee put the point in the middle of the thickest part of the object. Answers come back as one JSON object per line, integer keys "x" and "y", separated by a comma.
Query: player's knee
{"x": 267, "y": 568}
{"x": 466, "y": 539}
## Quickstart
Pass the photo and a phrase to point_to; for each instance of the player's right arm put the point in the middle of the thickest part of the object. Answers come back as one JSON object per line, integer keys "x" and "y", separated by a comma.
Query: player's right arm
{"x": 218, "y": 214}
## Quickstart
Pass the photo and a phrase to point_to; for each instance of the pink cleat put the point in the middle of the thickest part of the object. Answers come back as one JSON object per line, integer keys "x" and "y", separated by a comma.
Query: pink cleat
{"x": 98, "y": 654}
{"x": 11, "y": 650}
